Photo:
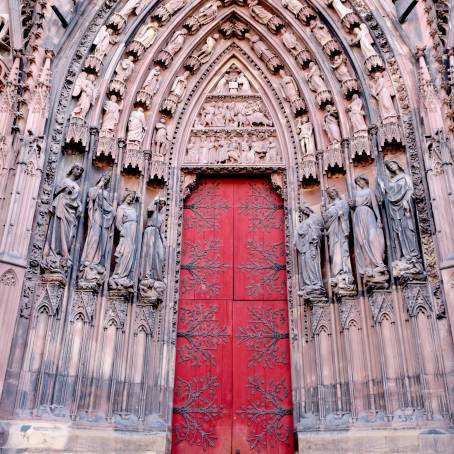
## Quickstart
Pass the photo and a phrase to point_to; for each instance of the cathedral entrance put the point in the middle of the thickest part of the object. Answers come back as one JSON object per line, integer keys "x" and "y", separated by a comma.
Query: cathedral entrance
{"x": 232, "y": 384}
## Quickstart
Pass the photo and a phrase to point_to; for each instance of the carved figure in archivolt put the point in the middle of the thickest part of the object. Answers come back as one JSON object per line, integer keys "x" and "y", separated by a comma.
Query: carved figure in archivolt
{"x": 233, "y": 81}
{"x": 150, "y": 87}
{"x": 4, "y": 27}
{"x": 124, "y": 69}
{"x": 147, "y": 34}
{"x": 176, "y": 94}
{"x": 323, "y": 36}
{"x": 166, "y": 11}
{"x": 356, "y": 113}
{"x": 368, "y": 233}
{"x": 308, "y": 242}
{"x": 153, "y": 249}
{"x": 398, "y": 191}
{"x": 202, "y": 55}
{"x": 111, "y": 114}
{"x": 364, "y": 39}
{"x": 126, "y": 223}
{"x": 291, "y": 93}
{"x": 205, "y": 15}
{"x": 64, "y": 211}
{"x": 305, "y": 132}
{"x": 175, "y": 44}
{"x": 264, "y": 53}
{"x": 161, "y": 138}
{"x": 130, "y": 6}
{"x": 317, "y": 84}
{"x": 136, "y": 126}
{"x": 335, "y": 214}
{"x": 381, "y": 89}
{"x": 101, "y": 215}
{"x": 85, "y": 91}
{"x": 331, "y": 125}
{"x": 340, "y": 8}
{"x": 261, "y": 15}
{"x": 102, "y": 42}
{"x": 301, "y": 55}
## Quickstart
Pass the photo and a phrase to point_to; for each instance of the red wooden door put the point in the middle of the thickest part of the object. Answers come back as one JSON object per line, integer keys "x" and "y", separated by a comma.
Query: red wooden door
{"x": 232, "y": 383}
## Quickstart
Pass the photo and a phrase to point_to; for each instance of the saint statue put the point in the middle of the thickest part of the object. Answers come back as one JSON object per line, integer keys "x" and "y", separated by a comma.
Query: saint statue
{"x": 126, "y": 223}
{"x": 85, "y": 91}
{"x": 315, "y": 79}
{"x": 102, "y": 42}
{"x": 64, "y": 211}
{"x": 136, "y": 125}
{"x": 336, "y": 218}
{"x": 368, "y": 234}
{"x": 381, "y": 90}
{"x": 124, "y": 69}
{"x": 308, "y": 241}
{"x": 331, "y": 125}
{"x": 356, "y": 114}
{"x": 153, "y": 249}
{"x": 398, "y": 190}
{"x": 147, "y": 34}
{"x": 365, "y": 41}
{"x": 306, "y": 135}
{"x": 151, "y": 84}
{"x": 111, "y": 114}
{"x": 101, "y": 215}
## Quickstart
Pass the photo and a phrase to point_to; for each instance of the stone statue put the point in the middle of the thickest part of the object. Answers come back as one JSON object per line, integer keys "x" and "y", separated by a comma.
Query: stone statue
{"x": 205, "y": 15}
{"x": 335, "y": 214}
{"x": 262, "y": 16}
{"x": 356, "y": 114}
{"x": 111, "y": 114}
{"x": 308, "y": 241}
{"x": 366, "y": 43}
{"x": 202, "y": 55}
{"x": 381, "y": 90}
{"x": 340, "y": 68}
{"x": 64, "y": 211}
{"x": 175, "y": 44}
{"x": 244, "y": 86}
{"x": 4, "y": 27}
{"x": 340, "y": 8}
{"x": 368, "y": 233}
{"x": 126, "y": 223}
{"x": 136, "y": 125}
{"x": 102, "y": 42}
{"x": 147, "y": 34}
{"x": 130, "y": 6}
{"x": 331, "y": 124}
{"x": 301, "y": 55}
{"x": 85, "y": 91}
{"x": 315, "y": 79}
{"x": 164, "y": 12}
{"x": 151, "y": 84}
{"x": 398, "y": 190}
{"x": 124, "y": 69}
{"x": 291, "y": 93}
{"x": 161, "y": 138}
{"x": 101, "y": 215}
{"x": 321, "y": 33}
{"x": 264, "y": 53}
{"x": 153, "y": 250}
{"x": 176, "y": 94}
{"x": 306, "y": 136}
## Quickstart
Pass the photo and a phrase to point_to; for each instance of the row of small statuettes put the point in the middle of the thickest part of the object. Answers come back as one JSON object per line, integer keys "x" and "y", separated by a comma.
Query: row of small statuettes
{"x": 369, "y": 243}
{"x": 102, "y": 217}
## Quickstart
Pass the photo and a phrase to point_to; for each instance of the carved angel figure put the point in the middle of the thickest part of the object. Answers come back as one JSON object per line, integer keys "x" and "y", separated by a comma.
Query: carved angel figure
{"x": 111, "y": 114}
{"x": 308, "y": 241}
{"x": 126, "y": 223}
{"x": 136, "y": 125}
{"x": 85, "y": 90}
{"x": 306, "y": 136}
{"x": 64, "y": 211}
{"x": 356, "y": 114}
{"x": 315, "y": 79}
{"x": 331, "y": 124}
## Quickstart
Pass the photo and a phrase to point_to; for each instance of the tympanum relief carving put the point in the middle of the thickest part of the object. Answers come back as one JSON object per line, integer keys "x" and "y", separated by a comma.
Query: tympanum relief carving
{"x": 233, "y": 125}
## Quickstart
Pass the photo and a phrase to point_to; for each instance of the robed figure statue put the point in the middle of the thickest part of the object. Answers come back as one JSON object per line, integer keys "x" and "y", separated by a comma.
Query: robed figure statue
{"x": 308, "y": 241}
{"x": 101, "y": 215}
{"x": 64, "y": 211}
{"x": 126, "y": 223}
{"x": 153, "y": 251}
{"x": 337, "y": 223}
{"x": 398, "y": 191}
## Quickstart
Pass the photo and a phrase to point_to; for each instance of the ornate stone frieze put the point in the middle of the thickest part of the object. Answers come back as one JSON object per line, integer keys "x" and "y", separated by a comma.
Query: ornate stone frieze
{"x": 381, "y": 303}
{"x": 349, "y": 312}
{"x": 48, "y": 296}
{"x": 116, "y": 310}
{"x": 321, "y": 318}
{"x": 417, "y": 298}
{"x": 145, "y": 318}
{"x": 83, "y": 304}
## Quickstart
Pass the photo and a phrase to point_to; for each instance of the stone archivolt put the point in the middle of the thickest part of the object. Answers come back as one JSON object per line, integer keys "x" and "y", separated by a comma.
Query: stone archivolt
{"x": 232, "y": 86}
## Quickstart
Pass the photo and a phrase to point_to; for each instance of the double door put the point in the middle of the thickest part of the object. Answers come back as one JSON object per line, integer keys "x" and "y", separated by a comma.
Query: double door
{"x": 232, "y": 378}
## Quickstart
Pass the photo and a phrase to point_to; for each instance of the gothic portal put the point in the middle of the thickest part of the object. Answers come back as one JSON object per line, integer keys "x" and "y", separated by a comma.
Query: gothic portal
{"x": 226, "y": 226}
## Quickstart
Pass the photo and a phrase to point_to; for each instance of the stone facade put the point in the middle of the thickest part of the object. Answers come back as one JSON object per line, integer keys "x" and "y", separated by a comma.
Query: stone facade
{"x": 110, "y": 112}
